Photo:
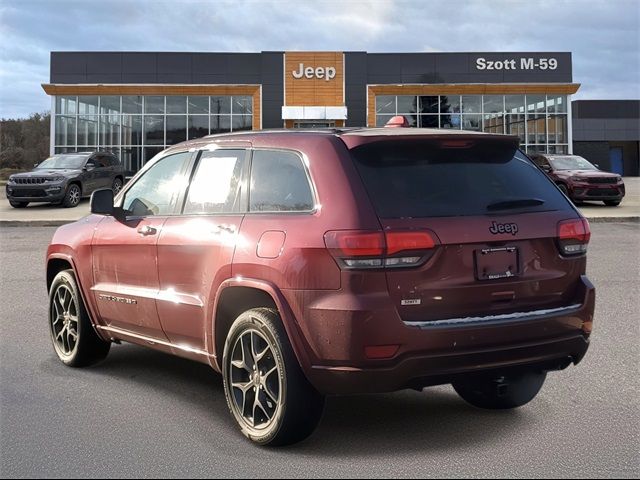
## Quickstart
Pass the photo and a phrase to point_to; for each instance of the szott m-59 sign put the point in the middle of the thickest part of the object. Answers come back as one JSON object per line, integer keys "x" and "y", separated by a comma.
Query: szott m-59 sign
{"x": 524, "y": 63}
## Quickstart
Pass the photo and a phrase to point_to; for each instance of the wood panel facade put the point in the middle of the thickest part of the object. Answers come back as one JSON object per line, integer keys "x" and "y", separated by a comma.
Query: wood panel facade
{"x": 308, "y": 92}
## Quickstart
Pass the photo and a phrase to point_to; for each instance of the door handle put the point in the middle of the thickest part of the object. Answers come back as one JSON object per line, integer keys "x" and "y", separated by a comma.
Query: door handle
{"x": 225, "y": 228}
{"x": 147, "y": 230}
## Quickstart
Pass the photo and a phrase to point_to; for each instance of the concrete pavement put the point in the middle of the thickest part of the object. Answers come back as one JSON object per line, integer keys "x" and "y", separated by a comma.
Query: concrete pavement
{"x": 39, "y": 214}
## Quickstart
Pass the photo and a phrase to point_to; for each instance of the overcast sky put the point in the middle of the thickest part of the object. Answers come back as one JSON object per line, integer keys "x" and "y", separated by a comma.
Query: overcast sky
{"x": 604, "y": 36}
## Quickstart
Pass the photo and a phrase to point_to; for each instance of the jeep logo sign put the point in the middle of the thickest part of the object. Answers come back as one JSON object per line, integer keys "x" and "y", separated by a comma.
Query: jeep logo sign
{"x": 327, "y": 73}
{"x": 498, "y": 228}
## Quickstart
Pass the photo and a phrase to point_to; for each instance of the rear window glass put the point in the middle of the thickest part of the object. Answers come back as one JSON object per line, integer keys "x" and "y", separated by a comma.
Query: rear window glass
{"x": 415, "y": 179}
{"x": 279, "y": 183}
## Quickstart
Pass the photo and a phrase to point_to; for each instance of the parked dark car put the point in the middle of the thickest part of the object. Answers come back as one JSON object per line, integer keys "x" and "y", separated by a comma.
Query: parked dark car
{"x": 66, "y": 178}
{"x": 580, "y": 180}
{"x": 301, "y": 264}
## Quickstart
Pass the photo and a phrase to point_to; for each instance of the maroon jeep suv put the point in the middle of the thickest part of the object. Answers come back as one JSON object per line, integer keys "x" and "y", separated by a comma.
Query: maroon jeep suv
{"x": 302, "y": 264}
{"x": 580, "y": 180}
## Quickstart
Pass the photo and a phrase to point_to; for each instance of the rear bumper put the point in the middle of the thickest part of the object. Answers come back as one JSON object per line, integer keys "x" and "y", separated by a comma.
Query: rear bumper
{"x": 432, "y": 356}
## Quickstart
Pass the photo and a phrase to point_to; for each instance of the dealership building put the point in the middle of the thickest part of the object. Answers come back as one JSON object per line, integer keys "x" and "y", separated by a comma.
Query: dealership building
{"x": 138, "y": 103}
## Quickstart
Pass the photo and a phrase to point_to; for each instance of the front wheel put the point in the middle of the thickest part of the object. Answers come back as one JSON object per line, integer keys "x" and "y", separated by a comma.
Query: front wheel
{"x": 612, "y": 203}
{"x": 117, "y": 186}
{"x": 266, "y": 390}
{"x": 563, "y": 189}
{"x": 72, "y": 196}
{"x": 501, "y": 392}
{"x": 74, "y": 339}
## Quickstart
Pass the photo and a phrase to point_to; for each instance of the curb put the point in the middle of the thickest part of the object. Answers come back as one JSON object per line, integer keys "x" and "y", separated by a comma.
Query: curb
{"x": 34, "y": 223}
{"x": 613, "y": 219}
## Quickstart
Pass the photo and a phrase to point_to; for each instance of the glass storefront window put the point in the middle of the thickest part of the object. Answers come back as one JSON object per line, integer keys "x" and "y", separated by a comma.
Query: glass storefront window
{"x": 153, "y": 130}
{"x": 220, "y": 105}
{"x": 198, "y": 126}
{"x": 150, "y": 152}
{"x": 471, "y": 122}
{"x": 198, "y": 104}
{"x": 109, "y": 104}
{"x": 109, "y": 130}
{"x": 88, "y": 131}
{"x": 65, "y": 131}
{"x": 493, "y": 104}
{"x": 429, "y": 121}
{"x": 407, "y": 104}
{"x": 66, "y": 105}
{"x": 557, "y": 104}
{"x": 241, "y": 122}
{"x": 450, "y": 104}
{"x": 153, "y": 104}
{"x": 176, "y": 104}
{"x": 381, "y": 120}
{"x": 429, "y": 104}
{"x": 514, "y": 103}
{"x": 536, "y": 104}
{"x": 220, "y": 123}
{"x": 386, "y": 104}
{"x": 132, "y": 104}
{"x": 242, "y": 105}
{"x": 514, "y": 125}
{"x": 88, "y": 105}
{"x": 176, "y": 129}
{"x": 471, "y": 104}
{"x": 131, "y": 129}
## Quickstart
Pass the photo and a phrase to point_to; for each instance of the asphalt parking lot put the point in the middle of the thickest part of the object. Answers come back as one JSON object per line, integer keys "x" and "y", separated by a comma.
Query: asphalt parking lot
{"x": 145, "y": 414}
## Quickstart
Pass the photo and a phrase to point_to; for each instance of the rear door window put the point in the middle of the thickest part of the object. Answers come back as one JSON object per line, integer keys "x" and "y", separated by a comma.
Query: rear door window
{"x": 417, "y": 179}
{"x": 217, "y": 186}
{"x": 279, "y": 183}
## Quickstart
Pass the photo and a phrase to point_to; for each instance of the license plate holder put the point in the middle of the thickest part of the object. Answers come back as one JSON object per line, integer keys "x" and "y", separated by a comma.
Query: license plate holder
{"x": 497, "y": 263}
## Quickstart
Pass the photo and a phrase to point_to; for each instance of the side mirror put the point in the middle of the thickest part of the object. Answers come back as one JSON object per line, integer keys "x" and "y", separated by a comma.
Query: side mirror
{"x": 102, "y": 202}
{"x": 89, "y": 166}
{"x": 35, "y": 165}
{"x": 597, "y": 166}
{"x": 546, "y": 168}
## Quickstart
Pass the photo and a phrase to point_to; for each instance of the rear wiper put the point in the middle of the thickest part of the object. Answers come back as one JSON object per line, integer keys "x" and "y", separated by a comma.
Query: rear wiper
{"x": 515, "y": 203}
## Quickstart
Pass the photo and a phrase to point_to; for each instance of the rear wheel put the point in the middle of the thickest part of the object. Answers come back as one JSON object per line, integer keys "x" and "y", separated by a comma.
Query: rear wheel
{"x": 72, "y": 196}
{"x": 74, "y": 339}
{"x": 15, "y": 204}
{"x": 612, "y": 203}
{"x": 501, "y": 392}
{"x": 266, "y": 391}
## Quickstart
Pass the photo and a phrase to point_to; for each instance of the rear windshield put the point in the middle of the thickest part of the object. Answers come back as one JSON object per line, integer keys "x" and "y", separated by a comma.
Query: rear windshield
{"x": 414, "y": 179}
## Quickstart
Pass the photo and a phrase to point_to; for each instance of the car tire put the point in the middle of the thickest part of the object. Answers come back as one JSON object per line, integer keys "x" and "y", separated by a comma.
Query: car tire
{"x": 72, "y": 196}
{"x": 507, "y": 391}
{"x": 15, "y": 204}
{"x": 116, "y": 186}
{"x": 267, "y": 393}
{"x": 74, "y": 339}
{"x": 612, "y": 203}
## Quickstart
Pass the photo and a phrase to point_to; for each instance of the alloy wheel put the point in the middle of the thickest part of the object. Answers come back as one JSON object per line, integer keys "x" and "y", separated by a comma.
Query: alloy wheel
{"x": 64, "y": 320}
{"x": 74, "y": 195}
{"x": 254, "y": 378}
{"x": 117, "y": 186}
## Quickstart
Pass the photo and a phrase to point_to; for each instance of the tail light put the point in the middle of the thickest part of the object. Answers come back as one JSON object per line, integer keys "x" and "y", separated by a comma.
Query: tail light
{"x": 573, "y": 236}
{"x": 393, "y": 249}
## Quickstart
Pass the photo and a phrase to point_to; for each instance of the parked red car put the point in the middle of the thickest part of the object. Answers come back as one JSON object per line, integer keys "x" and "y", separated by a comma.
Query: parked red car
{"x": 580, "y": 180}
{"x": 301, "y": 264}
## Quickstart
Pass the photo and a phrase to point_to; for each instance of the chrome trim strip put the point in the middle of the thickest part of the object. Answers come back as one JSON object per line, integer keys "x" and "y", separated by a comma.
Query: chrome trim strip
{"x": 167, "y": 295}
{"x": 154, "y": 341}
{"x": 508, "y": 317}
